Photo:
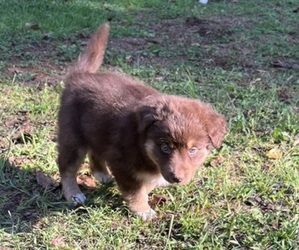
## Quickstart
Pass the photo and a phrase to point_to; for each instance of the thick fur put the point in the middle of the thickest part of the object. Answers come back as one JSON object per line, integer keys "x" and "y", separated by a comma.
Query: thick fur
{"x": 130, "y": 132}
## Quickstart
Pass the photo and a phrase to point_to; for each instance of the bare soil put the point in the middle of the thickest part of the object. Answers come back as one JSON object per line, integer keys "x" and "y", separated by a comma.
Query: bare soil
{"x": 214, "y": 42}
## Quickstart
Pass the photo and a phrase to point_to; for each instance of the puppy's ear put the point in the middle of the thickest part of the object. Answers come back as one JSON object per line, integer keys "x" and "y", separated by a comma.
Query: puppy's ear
{"x": 146, "y": 116}
{"x": 216, "y": 126}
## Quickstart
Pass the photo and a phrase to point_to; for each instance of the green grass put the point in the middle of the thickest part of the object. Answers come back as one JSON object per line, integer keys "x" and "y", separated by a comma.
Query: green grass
{"x": 246, "y": 195}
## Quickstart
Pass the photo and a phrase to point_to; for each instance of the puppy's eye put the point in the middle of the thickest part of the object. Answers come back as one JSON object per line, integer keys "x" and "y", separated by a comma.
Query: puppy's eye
{"x": 165, "y": 148}
{"x": 193, "y": 151}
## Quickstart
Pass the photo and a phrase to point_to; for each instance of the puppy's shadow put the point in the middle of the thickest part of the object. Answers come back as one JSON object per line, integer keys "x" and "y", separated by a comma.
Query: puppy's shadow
{"x": 104, "y": 195}
{"x": 24, "y": 199}
{"x": 27, "y": 196}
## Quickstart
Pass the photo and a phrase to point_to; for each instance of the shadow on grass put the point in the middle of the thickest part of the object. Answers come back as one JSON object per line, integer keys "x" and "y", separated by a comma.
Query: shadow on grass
{"x": 27, "y": 196}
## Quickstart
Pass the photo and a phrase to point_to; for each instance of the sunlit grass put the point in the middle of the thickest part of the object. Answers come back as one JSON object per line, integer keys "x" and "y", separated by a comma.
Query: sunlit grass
{"x": 244, "y": 197}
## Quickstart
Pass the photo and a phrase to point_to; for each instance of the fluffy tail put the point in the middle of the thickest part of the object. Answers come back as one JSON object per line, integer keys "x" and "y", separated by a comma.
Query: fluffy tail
{"x": 91, "y": 59}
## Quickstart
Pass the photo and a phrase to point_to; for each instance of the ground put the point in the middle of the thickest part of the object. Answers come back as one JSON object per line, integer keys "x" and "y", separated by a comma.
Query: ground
{"x": 243, "y": 57}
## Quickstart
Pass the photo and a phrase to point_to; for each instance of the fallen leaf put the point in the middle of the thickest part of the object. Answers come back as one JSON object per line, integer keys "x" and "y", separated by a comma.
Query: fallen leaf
{"x": 281, "y": 64}
{"x": 296, "y": 142}
{"x": 39, "y": 225}
{"x": 44, "y": 180}
{"x": 19, "y": 161}
{"x": 86, "y": 181}
{"x": 274, "y": 153}
{"x": 282, "y": 95}
{"x": 290, "y": 64}
{"x": 158, "y": 200}
{"x": 16, "y": 70}
{"x": 33, "y": 26}
{"x": 58, "y": 242}
{"x": 218, "y": 161}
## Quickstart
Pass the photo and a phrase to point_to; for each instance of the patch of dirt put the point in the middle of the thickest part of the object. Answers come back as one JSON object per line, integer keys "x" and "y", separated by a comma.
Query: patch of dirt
{"x": 45, "y": 73}
{"x": 33, "y": 63}
{"x": 210, "y": 39}
{"x": 286, "y": 63}
{"x": 129, "y": 43}
{"x": 22, "y": 127}
{"x": 46, "y": 181}
{"x": 209, "y": 43}
{"x": 267, "y": 206}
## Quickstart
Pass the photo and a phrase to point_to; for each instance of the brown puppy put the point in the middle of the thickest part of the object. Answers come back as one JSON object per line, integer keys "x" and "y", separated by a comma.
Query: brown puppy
{"x": 131, "y": 132}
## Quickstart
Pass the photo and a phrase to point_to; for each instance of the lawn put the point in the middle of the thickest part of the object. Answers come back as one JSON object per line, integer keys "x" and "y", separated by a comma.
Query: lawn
{"x": 241, "y": 56}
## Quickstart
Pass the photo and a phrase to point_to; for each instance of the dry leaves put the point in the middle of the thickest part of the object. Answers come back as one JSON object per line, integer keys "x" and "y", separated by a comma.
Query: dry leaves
{"x": 19, "y": 161}
{"x": 296, "y": 142}
{"x": 58, "y": 242}
{"x": 21, "y": 126}
{"x": 274, "y": 154}
{"x": 284, "y": 64}
{"x": 45, "y": 181}
{"x": 86, "y": 181}
{"x": 33, "y": 26}
{"x": 281, "y": 64}
{"x": 283, "y": 95}
{"x": 218, "y": 161}
{"x": 158, "y": 200}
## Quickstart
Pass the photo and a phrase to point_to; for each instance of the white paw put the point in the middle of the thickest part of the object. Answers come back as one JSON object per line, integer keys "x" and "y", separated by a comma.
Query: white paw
{"x": 146, "y": 216}
{"x": 78, "y": 199}
{"x": 161, "y": 182}
{"x": 103, "y": 178}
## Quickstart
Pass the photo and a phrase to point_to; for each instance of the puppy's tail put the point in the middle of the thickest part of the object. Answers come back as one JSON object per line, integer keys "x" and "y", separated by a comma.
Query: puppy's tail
{"x": 91, "y": 59}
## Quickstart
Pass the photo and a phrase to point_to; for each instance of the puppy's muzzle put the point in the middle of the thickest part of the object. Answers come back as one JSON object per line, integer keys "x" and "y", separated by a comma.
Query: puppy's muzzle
{"x": 175, "y": 179}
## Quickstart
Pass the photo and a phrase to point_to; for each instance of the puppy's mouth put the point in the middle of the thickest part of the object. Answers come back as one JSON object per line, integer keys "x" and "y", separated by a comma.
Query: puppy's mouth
{"x": 173, "y": 178}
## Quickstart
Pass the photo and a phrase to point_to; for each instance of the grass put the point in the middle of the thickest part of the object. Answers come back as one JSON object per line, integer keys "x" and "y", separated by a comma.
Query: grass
{"x": 242, "y": 57}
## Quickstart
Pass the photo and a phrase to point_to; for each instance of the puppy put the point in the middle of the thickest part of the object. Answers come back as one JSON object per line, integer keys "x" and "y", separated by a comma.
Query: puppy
{"x": 130, "y": 132}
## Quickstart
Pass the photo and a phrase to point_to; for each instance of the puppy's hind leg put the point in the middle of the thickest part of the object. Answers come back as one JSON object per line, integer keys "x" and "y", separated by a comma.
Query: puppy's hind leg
{"x": 69, "y": 161}
{"x": 99, "y": 168}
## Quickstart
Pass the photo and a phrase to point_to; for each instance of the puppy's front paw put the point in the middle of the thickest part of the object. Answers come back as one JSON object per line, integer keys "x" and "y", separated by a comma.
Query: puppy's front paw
{"x": 147, "y": 215}
{"x": 78, "y": 199}
{"x": 102, "y": 177}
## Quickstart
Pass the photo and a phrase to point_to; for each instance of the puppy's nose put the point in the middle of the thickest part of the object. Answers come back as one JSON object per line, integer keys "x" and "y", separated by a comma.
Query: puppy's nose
{"x": 175, "y": 178}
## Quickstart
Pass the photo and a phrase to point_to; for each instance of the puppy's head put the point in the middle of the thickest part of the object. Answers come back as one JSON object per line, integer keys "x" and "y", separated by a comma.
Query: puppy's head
{"x": 178, "y": 134}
